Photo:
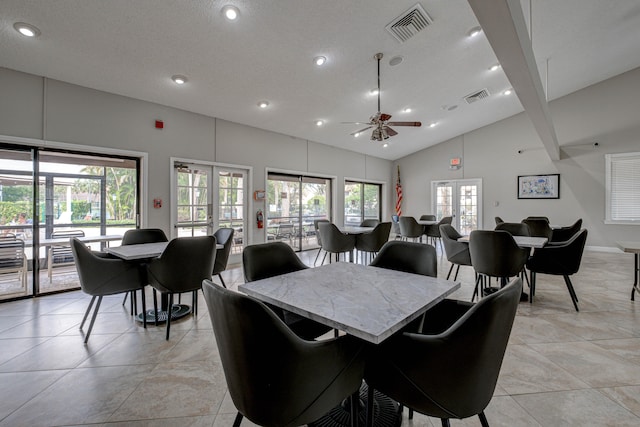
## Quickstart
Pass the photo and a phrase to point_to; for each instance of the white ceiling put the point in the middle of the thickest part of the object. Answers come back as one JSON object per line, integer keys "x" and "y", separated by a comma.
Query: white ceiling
{"x": 133, "y": 47}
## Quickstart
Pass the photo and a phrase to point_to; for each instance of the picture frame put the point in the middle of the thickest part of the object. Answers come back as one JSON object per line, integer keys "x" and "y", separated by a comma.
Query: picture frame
{"x": 543, "y": 186}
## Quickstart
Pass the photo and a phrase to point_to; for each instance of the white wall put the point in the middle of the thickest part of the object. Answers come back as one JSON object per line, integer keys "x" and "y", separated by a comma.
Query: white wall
{"x": 606, "y": 112}
{"x": 39, "y": 108}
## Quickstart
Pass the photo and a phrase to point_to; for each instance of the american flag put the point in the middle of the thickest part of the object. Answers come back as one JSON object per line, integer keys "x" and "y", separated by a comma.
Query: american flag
{"x": 399, "y": 195}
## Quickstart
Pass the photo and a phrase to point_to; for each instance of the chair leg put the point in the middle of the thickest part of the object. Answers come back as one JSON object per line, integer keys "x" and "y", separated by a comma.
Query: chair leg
{"x": 457, "y": 271}
{"x": 445, "y": 422}
{"x": 93, "y": 319}
{"x": 355, "y": 405}
{"x": 86, "y": 313}
{"x": 572, "y": 292}
{"x": 124, "y": 300}
{"x": 224, "y": 285}
{"x": 169, "y": 311}
{"x": 238, "y": 420}
{"x": 483, "y": 419}
{"x": 317, "y": 256}
{"x": 155, "y": 306}
{"x": 532, "y": 287}
{"x": 325, "y": 257}
{"x": 410, "y": 413}
{"x": 144, "y": 308}
{"x": 476, "y": 291}
{"x": 450, "y": 270}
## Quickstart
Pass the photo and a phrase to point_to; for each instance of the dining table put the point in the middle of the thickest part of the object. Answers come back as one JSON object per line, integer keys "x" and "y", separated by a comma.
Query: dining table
{"x": 366, "y": 302}
{"x": 633, "y": 248}
{"x": 143, "y": 253}
{"x": 522, "y": 241}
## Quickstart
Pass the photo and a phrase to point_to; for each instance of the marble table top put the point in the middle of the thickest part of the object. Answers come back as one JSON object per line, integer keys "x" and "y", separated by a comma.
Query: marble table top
{"x": 355, "y": 229}
{"x": 629, "y": 247}
{"x": 522, "y": 241}
{"x": 367, "y": 302}
{"x": 426, "y": 222}
{"x": 142, "y": 251}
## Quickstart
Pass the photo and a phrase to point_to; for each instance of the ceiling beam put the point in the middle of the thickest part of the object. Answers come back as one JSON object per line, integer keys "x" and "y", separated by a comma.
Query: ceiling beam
{"x": 503, "y": 24}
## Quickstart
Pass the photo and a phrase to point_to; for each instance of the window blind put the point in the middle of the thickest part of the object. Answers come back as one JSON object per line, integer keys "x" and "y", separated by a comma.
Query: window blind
{"x": 624, "y": 187}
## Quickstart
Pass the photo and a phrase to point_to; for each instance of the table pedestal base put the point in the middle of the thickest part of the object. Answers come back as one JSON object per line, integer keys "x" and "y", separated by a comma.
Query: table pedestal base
{"x": 386, "y": 412}
{"x": 636, "y": 275}
{"x": 177, "y": 311}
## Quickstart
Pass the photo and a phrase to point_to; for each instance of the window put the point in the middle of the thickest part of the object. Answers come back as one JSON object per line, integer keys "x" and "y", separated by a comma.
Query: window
{"x": 361, "y": 201}
{"x": 623, "y": 188}
{"x": 460, "y": 199}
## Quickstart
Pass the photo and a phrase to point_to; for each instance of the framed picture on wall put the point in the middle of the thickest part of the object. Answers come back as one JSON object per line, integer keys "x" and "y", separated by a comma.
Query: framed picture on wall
{"x": 539, "y": 186}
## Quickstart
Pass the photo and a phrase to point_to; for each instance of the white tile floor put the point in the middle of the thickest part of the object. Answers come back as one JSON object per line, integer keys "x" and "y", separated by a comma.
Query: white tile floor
{"x": 562, "y": 368}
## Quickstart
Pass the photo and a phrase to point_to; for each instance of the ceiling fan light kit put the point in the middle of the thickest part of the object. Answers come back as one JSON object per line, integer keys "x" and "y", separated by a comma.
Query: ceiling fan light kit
{"x": 380, "y": 121}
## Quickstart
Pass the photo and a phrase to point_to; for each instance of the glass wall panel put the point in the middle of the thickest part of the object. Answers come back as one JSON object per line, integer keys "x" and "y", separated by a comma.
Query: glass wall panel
{"x": 361, "y": 201}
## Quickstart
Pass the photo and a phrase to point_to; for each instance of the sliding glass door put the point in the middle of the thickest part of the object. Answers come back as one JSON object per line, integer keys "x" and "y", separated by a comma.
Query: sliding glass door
{"x": 293, "y": 203}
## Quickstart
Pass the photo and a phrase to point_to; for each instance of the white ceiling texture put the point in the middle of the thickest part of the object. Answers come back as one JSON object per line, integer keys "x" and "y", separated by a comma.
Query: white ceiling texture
{"x": 133, "y": 47}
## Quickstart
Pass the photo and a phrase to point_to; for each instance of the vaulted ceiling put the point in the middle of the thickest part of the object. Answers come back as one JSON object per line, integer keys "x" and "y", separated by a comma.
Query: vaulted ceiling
{"x": 134, "y": 47}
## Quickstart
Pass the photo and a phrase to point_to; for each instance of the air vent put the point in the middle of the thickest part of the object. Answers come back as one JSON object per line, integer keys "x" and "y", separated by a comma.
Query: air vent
{"x": 477, "y": 96}
{"x": 409, "y": 23}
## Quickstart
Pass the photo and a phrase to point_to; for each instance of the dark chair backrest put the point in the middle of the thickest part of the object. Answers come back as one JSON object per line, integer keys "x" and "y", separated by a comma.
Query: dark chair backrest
{"x": 427, "y": 218}
{"x": 274, "y": 377}
{"x": 374, "y": 240}
{"x": 184, "y": 264}
{"x": 457, "y": 252}
{"x": 560, "y": 259}
{"x": 538, "y": 227}
{"x": 496, "y": 254}
{"x": 565, "y": 233}
{"x": 499, "y": 220}
{"x": 410, "y": 257}
{"x": 434, "y": 229}
{"x": 333, "y": 240}
{"x": 224, "y": 237}
{"x": 317, "y": 229}
{"x": 369, "y": 223}
{"x": 268, "y": 260}
{"x": 140, "y": 236}
{"x": 514, "y": 228}
{"x": 61, "y": 253}
{"x": 437, "y": 375}
{"x": 409, "y": 227}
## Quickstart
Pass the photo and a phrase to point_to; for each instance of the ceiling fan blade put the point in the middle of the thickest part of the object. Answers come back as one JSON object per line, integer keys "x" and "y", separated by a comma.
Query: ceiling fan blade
{"x": 357, "y": 123}
{"x": 414, "y": 124}
{"x": 384, "y": 117}
{"x": 390, "y": 131}
{"x": 361, "y": 130}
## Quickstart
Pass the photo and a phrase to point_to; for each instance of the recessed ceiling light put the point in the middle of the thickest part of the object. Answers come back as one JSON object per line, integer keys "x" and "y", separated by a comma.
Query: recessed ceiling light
{"x": 179, "y": 79}
{"x": 357, "y": 134}
{"x": 396, "y": 60}
{"x": 474, "y": 32}
{"x": 26, "y": 30}
{"x": 319, "y": 123}
{"x": 432, "y": 125}
{"x": 385, "y": 145}
{"x": 494, "y": 67}
{"x": 319, "y": 60}
{"x": 507, "y": 92}
{"x": 373, "y": 91}
{"x": 263, "y": 104}
{"x": 406, "y": 110}
{"x": 230, "y": 12}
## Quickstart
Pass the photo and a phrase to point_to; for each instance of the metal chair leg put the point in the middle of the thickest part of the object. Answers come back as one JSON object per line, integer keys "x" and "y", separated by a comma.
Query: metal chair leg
{"x": 450, "y": 270}
{"x": 572, "y": 292}
{"x": 483, "y": 419}
{"x": 169, "y": 311}
{"x": 222, "y": 280}
{"x": 144, "y": 309}
{"x": 86, "y": 313}
{"x": 93, "y": 319}
{"x": 238, "y": 420}
{"x": 457, "y": 271}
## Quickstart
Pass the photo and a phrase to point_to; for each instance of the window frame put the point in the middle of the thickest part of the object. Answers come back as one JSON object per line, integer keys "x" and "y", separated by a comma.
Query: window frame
{"x": 362, "y": 183}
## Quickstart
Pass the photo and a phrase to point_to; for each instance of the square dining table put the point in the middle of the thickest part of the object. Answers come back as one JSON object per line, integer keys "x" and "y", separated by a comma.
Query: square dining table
{"x": 370, "y": 303}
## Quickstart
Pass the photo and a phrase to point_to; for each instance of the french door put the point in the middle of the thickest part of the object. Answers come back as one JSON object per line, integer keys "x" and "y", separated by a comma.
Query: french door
{"x": 460, "y": 199}
{"x": 208, "y": 197}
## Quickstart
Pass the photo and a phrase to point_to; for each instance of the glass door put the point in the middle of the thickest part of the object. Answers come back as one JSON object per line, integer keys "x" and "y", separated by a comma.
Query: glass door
{"x": 294, "y": 202}
{"x": 232, "y": 207}
{"x": 460, "y": 199}
{"x": 194, "y": 199}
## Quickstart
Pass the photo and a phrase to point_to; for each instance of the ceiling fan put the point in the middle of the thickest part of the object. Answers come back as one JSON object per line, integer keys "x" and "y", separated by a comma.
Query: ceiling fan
{"x": 380, "y": 121}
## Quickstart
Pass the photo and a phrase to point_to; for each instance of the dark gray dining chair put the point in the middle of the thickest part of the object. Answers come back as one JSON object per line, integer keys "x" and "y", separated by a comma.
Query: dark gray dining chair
{"x": 371, "y": 243}
{"x": 433, "y": 231}
{"x": 514, "y": 228}
{"x": 538, "y": 227}
{"x": 562, "y": 234}
{"x": 224, "y": 237}
{"x": 434, "y": 372}
{"x": 410, "y": 257}
{"x": 560, "y": 260}
{"x": 427, "y": 217}
{"x": 182, "y": 267}
{"x": 318, "y": 237}
{"x": 101, "y": 275}
{"x": 495, "y": 254}
{"x": 369, "y": 223}
{"x": 410, "y": 229}
{"x": 274, "y": 377}
{"x": 457, "y": 252}
{"x": 335, "y": 241}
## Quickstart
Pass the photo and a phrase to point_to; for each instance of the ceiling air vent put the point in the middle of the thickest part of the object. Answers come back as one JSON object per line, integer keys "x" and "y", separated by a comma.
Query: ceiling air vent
{"x": 477, "y": 96}
{"x": 409, "y": 23}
